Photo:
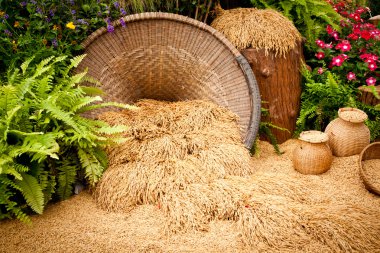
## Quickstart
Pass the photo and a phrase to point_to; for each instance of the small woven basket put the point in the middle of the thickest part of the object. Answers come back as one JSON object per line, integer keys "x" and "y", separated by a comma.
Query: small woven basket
{"x": 371, "y": 152}
{"x": 313, "y": 156}
{"x": 348, "y": 134}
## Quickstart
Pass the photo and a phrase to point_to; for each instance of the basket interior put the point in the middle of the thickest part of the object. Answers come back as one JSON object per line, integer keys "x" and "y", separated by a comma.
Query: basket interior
{"x": 171, "y": 59}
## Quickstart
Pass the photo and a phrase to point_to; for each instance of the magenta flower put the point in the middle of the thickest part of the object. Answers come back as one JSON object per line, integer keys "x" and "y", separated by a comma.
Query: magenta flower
{"x": 353, "y": 36}
{"x": 371, "y": 81}
{"x": 320, "y": 55}
{"x": 372, "y": 66}
{"x": 344, "y": 56}
{"x": 344, "y": 46}
{"x": 329, "y": 45}
{"x": 329, "y": 29}
{"x": 320, "y": 71}
{"x": 320, "y": 43}
{"x": 337, "y": 61}
{"x": 351, "y": 76}
{"x": 335, "y": 35}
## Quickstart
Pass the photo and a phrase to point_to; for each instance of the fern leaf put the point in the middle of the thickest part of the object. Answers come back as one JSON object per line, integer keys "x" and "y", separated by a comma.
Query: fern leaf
{"x": 107, "y": 104}
{"x": 112, "y": 130}
{"x": 66, "y": 178}
{"x": 32, "y": 192}
{"x": 86, "y": 101}
{"x": 93, "y": 168}
{"x": 66, "y": 117}
{"x": 8, "y": 121}
{"x": 91, "y": 91}
{"x": 25, "y": 65}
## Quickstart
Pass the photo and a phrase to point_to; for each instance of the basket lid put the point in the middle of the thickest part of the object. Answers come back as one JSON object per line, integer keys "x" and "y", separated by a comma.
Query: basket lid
{"x": 314, "y": 136}
{"x": 353, "y": 115}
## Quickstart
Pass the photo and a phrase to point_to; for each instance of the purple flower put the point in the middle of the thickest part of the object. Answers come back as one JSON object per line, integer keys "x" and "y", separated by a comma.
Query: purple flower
{"x": 116, "y": 4}
{"x": 39, "y": 10}
{"x": 123, "y": 12}
{"x": 51, "y": 13}
{"x": 33, "y": 1}
{"x": 73, "y": 12}
{"x": 82, "y": 22}
{"x": 72, "y": 2}
{"x": 23, "y": 4}
{"x": 54, "y": 42}
{"x": 48, "y": 19}
{"x": 108, "y": 20}
{"x": 110, "y": 28}
{"x": 7, "y": 32}
{"x": 6, "y": 16}
{"x": 122, "y": 22}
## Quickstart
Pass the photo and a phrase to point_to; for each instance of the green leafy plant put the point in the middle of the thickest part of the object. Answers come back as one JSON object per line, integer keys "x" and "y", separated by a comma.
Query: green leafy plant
{"x": 46, "y": 145}
{"x": 309, "y": 16}
{"x": 265, "y": 130}
{"x": 321, "y": 98}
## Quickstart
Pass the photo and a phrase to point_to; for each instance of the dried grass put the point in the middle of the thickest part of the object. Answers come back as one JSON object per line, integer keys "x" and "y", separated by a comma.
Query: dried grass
{"x": 170, "y": 145}
{"x": 260, "y": 29}
{"x": 279, "y": 210}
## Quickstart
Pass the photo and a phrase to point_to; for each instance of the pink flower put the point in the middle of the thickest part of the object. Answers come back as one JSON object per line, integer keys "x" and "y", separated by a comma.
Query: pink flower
{"x": 360, "y": 10}
{"x": 369, "y": 58}
{"x": 353, "y": 36}
{"x": 372, "y": 66}
{"x": 329, "y": 29}
{"x": 320, "y": 55}
{"x": 371, "y": 81}
{"x": 320, "y": 43}
{"x": 320, "y": 71}
{"x": 344, "y": 56}
{"x": 344, "y": 46}
{"x": 351, "y": 76}
{"x": 365, "y": 35}
{"x": 335, "y": 35}
{"x": 329, "y": 45}
{"x": 337, "y": 61}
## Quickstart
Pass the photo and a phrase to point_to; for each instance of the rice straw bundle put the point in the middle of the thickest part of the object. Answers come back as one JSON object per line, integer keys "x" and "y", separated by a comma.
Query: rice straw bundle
{"x": 170, "y": 145}
{"x": 260, "y": 29}
{"x": 274, "y": 219}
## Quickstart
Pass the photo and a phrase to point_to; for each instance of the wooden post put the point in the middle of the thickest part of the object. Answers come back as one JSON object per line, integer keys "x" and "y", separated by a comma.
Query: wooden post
{"x": 279, "y": 81}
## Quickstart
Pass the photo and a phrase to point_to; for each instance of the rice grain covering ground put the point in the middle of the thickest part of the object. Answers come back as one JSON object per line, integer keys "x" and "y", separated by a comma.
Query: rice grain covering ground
{"x": 259, "y": 29}
{"x": 263, "y": 206}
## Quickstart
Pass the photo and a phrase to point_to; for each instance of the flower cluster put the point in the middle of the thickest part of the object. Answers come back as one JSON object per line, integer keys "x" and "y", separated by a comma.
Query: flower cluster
{"x": 353, "y": 52}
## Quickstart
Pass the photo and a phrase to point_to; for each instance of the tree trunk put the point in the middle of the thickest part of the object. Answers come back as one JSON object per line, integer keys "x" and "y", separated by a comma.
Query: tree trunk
{"x": 279, "y": 81}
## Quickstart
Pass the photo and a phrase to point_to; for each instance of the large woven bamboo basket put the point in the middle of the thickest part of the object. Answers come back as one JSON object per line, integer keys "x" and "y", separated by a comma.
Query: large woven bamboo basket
{"x": 171, "y": 57}
{"x": 371, "y": 153}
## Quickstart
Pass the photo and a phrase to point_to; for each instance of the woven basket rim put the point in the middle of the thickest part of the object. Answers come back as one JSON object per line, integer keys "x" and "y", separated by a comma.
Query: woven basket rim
{"x": 357, "y": 115}
{"x": 314, "y": 136}
{"x": 362, "y": 173}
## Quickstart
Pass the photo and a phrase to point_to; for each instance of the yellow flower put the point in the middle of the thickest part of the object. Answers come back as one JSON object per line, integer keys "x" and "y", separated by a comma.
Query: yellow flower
{"x": 44, "y": 41}
{"x": 70, "y": 25}
{"x": 74, "y": 42}
{"x": 2, "y": 13}
{"x": 17, "y": 24}
{"x": 55, "y": 27}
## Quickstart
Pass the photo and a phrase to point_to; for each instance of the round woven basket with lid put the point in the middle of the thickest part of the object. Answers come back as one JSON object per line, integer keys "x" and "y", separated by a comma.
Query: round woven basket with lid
{"x": 312, "y": 156}
{"x": 348, "y": 135}
{"x": 369, "y": 159}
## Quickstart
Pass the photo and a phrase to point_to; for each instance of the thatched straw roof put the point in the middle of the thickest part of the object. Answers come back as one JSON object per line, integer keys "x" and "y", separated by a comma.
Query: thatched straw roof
{"x": 259, "y": 29}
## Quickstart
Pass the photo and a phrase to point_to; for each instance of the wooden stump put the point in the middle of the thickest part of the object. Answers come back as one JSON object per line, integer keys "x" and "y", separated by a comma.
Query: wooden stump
{"x": 279, "y": 81}
{"x": 367, "y": 96}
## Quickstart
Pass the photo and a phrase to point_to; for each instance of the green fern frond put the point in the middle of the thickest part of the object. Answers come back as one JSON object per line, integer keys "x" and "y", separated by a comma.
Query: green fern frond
{"x": 66, "y": 179}
{"x": 112, "y": 130}
{"x": 107, "y": 104}
{"x": 74, "y": 62}
{"x": 32, "y": 192}
{"x": 85, "y": 101}
{"x": 25, "y": 65}
{"x": 93, "y": 168}
{"x": 91, "y": 91}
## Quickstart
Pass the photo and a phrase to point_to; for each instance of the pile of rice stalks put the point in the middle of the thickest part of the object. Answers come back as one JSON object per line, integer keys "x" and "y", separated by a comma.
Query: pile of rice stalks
{"x": 260, "y": 29}
{"x": 170, "y": 145}
{"x": 187, "y": 158}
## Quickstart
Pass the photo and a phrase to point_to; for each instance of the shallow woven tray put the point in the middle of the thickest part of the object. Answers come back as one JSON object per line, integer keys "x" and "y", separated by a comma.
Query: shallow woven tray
{"x": 372, "y": 151}
{"x": 171, "y": 57}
